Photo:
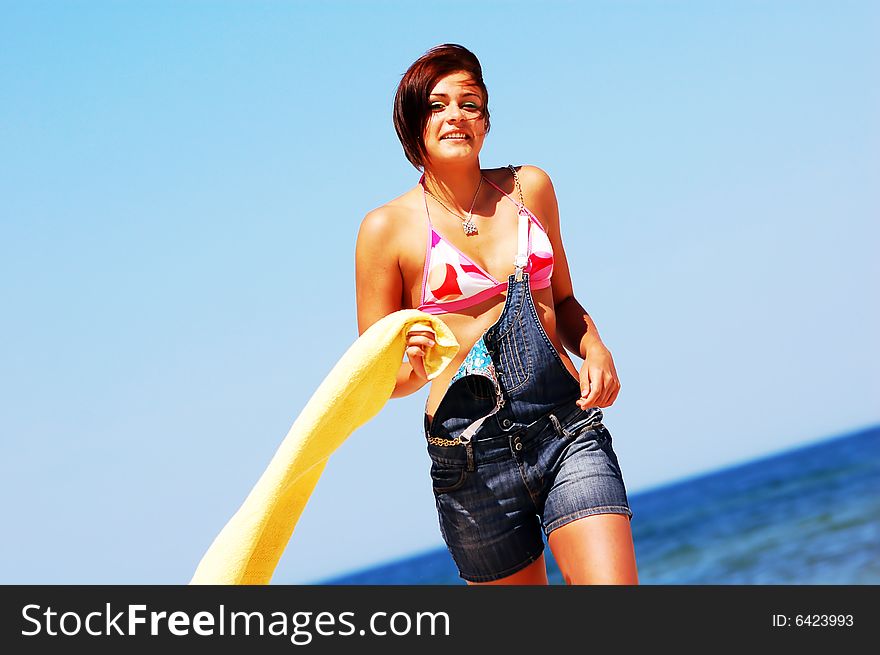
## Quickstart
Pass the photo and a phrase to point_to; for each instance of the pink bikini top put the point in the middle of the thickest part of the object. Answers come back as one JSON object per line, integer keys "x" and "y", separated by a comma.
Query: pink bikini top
{"x": 451, "y": 281}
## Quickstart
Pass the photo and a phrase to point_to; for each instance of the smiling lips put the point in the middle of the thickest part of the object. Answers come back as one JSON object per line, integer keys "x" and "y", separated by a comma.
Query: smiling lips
{"x": 454, "y": 136}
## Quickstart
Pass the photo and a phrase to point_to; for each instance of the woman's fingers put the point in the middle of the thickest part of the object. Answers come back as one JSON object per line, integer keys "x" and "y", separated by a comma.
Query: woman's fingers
{"x": 418, "y": 342}
{"x": 420, "y": 333}
{"x": 592, "y": 390}
{"x": 417, "y": 361}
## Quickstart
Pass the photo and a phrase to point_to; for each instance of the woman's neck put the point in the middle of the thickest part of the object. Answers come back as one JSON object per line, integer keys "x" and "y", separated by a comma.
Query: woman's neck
{"x": 457, "y": 184}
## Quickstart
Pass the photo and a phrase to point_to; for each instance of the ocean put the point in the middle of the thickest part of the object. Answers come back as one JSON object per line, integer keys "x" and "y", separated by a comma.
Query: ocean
{"x": 805, "y": 516}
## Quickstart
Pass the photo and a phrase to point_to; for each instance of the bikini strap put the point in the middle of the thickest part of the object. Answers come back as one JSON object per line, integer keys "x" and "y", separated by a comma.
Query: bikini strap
{"x": 522, "y": 200}
{"x": 522, "y": 255}
{"x": 500, "y": 190}
{"x": 425, "y": 197}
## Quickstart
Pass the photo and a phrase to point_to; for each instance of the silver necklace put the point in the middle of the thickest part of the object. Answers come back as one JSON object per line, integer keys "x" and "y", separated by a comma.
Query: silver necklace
{"x": 468, "y": 225}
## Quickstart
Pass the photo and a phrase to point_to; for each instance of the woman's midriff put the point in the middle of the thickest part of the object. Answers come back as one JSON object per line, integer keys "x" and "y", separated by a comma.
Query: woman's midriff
{"x": 468, "y": 328}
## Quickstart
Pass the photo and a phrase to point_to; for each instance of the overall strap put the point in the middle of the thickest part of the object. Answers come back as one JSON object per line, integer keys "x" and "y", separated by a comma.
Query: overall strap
{"x": 522, "y": 255}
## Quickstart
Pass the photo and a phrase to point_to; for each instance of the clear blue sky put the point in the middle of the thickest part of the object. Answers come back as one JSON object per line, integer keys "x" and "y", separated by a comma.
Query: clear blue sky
{"x": 181, "y": 186}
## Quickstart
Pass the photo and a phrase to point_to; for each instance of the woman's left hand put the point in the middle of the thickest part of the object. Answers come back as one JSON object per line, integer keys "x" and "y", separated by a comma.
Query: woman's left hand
{"x": 599, "y": 382}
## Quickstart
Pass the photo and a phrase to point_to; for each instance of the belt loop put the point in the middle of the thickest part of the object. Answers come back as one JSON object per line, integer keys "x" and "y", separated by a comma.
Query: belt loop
{"x": 469, "y": 447}
{"x": 561, "y": 431}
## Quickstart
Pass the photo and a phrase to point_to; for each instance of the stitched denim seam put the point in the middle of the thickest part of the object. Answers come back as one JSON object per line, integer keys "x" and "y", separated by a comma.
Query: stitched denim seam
{"x": 449, "y": 461}
{"x": 514, "y": 317}
{"x": 527, "y": 370}
{"x": 577, "y": 433}
{"x": 522, "y": 474}
{"x": 603, "y": 509}
{"x": 445, "y": 490}
{"x": 518, "y": 354}
{"x": 513, "y": 357}
{"x": 490, "y": 577}
{"x": 504, "y": 348}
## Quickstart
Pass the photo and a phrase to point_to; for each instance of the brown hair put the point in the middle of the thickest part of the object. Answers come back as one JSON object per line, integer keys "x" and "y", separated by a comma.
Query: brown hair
{"x": 411, "y": 106}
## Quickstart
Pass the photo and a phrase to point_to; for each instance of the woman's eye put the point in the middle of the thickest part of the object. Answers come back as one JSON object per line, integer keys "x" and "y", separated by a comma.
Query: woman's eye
{"x": 437, "y": 106}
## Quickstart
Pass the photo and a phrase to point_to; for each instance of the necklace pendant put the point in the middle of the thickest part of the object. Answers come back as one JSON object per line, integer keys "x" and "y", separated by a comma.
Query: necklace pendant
{"x": 470, "y": 228}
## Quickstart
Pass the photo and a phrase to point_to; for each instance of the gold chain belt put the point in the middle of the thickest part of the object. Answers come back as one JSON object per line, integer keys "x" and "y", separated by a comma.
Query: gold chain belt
{"x": 440, "y": 441}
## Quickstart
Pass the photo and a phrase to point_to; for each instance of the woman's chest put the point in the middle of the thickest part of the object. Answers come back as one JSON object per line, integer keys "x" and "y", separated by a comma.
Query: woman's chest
{"x": 434, "y": 256}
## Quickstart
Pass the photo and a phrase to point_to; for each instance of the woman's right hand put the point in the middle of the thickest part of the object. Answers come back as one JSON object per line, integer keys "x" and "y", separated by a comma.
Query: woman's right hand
{"x": 417, "y": 344}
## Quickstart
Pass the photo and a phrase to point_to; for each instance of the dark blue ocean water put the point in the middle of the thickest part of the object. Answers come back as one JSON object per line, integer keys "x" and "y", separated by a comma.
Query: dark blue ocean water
{"x": 805, "y": 516}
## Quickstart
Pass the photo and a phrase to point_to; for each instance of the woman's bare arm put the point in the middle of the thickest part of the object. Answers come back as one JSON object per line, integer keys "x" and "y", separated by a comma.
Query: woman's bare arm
{"x": 574, "y": 325}
{"x": 379, "y": 290}
{"x": 598, "y": 377}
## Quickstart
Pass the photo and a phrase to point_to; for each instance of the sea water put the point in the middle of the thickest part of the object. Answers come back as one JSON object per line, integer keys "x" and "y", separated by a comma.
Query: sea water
{"x": 805, "y": 516}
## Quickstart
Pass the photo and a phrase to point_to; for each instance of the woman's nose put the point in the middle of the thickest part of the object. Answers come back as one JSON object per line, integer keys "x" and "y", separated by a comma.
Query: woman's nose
{"x": 454, "y": 112}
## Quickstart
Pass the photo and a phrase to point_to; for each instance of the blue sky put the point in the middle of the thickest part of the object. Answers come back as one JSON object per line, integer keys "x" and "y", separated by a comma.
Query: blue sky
{"x": 181, "y": 186}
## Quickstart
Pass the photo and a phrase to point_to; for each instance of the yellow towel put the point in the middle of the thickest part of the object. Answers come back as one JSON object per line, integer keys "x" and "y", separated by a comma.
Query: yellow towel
{"x": 248, "y": 548}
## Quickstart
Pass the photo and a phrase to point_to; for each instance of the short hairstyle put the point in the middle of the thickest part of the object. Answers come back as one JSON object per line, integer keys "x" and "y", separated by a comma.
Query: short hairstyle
{"x": 411, "y": 105}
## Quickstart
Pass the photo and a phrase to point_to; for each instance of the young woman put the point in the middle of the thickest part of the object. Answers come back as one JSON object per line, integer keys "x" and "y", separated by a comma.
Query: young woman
{"x": 513, "y": 428}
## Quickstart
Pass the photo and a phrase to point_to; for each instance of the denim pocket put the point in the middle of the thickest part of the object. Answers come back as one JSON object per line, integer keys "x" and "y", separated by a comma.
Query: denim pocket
{"x": 447, "y": 477}
{"x": 480, "y": 386}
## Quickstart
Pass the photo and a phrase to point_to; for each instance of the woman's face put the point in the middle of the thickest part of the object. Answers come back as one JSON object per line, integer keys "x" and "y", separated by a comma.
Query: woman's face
{"x": 456, "y": 128}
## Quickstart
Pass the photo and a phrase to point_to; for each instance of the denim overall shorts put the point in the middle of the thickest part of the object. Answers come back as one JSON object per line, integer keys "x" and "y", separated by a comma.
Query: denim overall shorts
{"x": 511, "y": 452}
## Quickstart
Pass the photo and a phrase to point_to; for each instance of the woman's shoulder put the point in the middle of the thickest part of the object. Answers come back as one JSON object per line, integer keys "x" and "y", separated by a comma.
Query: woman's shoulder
{"x": 395, "y": 211}
{"x": 395, "y": 224}
{"x": 404, "y": 204}
{"x": 531, "y": 178}
{"x": 537, "y": 191}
